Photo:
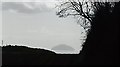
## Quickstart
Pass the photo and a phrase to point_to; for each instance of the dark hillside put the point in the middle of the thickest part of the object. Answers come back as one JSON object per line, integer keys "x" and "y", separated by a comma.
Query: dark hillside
{"x": 21, "y": 55}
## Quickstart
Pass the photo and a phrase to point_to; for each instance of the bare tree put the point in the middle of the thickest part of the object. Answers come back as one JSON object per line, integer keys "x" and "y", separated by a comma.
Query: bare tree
{"x": 83, "y": 10}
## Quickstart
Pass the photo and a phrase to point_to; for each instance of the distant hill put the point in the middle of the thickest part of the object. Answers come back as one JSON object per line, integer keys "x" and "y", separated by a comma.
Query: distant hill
{"x": 63, "y": 47}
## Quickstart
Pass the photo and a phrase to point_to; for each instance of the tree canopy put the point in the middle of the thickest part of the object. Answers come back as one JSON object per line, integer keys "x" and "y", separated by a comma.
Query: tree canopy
{"x": 83, "y": 10}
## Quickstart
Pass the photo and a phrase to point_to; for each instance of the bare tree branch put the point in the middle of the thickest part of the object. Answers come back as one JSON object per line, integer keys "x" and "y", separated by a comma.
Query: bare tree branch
{"x": 83, "y": 9}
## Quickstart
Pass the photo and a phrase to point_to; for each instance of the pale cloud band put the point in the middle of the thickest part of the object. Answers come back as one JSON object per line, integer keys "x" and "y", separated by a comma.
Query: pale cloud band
{"x": 25, "y": 7}
{"x": 58, "y": 0}
{"x": 49, "y": 3}
{"x": 28, "y": 0}
{"x": 28, "y": 6}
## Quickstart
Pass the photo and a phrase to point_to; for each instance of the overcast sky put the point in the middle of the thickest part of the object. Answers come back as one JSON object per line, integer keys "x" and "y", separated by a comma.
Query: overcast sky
{"x": 36, "y": 24}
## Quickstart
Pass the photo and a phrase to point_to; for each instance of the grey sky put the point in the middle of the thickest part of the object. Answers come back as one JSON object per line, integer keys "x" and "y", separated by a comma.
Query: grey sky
{"x": 27, "y": 7}
{"x": 38, "y": 26}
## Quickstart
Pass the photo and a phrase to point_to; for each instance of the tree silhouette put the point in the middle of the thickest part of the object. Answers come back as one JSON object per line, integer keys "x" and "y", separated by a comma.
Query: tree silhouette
{"x": 83, "y": 10}
{"x": 76, "y": 8}
{"x": 101, "y": 46}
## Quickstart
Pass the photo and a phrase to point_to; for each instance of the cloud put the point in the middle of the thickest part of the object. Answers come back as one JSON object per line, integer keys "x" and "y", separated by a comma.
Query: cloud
{"x": 28, "y": 0}
{"x": 25, "y": 7}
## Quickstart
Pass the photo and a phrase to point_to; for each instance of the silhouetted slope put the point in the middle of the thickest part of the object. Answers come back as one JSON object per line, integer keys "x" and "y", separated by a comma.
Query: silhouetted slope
{"x": 24, "y": 49}
{"x": 21, "y": 55}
